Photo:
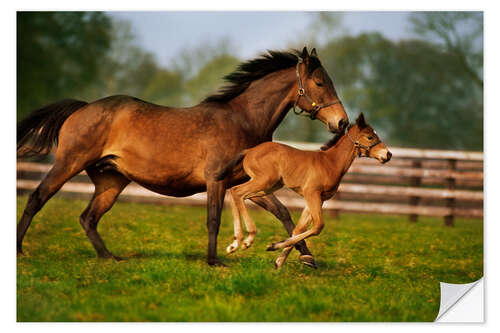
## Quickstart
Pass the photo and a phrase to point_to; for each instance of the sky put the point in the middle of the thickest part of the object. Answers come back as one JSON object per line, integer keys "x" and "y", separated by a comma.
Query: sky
{"x": 165, "y": 34}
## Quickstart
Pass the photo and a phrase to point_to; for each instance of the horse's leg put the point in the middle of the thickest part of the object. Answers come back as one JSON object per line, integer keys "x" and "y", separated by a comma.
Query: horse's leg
{"x": 215, "y": 201}
{"x": 53, "y": 181}
{"x": 238, "y": 231}
{"x": 314, "y": 203}
{"x": 272, "y": 204}
{"x": 304, "y": 221}
{"x": 108, "y": 185}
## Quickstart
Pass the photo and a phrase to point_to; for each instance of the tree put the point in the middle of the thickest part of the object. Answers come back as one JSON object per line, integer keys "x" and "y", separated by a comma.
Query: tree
{"x": 414, "y": 92}
{"x": 58, "y": 55}
{"x": 461, "y": 34}
{"x": 210, "y": 77}
{"x": 124, "y": 69}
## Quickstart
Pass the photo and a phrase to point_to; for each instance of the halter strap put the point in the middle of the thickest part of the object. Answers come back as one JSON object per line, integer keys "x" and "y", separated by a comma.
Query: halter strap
{"x": 360, "y": 145}
{"x": 302, "y": 93}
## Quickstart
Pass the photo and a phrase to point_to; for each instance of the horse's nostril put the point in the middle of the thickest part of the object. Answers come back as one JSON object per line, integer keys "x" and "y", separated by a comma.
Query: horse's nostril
{"x": 389, "y": 155}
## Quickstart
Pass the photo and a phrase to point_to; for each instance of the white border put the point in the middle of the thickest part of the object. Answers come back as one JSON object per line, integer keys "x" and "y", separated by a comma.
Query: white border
{"x": 492, "y": 110}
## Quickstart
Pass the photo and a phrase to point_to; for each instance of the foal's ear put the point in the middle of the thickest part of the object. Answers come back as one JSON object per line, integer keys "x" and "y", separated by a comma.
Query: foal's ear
{"x": 361, "y": 121}
{"x": 313, "y": 53}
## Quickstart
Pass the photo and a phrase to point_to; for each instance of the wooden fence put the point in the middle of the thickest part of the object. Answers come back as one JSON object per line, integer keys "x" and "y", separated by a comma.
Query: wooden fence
{"x": 416, "y": 182}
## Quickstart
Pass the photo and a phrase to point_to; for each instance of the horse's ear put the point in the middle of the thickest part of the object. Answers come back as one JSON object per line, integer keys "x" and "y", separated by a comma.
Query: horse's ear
{"x": 304, "y": 52}
{"x": 305, "y": 55}
{"x": 361, "y": 121}
{"x": 313, "y": 53}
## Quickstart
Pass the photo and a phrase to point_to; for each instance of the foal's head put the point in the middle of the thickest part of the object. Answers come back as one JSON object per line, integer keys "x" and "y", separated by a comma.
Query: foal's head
{"x": 367, "y": 141}
{"x": 318, "y": 96}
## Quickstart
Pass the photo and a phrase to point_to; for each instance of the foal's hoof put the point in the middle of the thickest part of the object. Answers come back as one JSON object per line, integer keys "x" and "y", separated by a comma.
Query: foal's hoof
{"x": 116, "y": 258}
{"x": 246, "y": 245}
{"x": 271, "y": 247}
{"x": 308, "y": 260}
{"x": 231, "y": 248}
{"x": 216, "y": 263}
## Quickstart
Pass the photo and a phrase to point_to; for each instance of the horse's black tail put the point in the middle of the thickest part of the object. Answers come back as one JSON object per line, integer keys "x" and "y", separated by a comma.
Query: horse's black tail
{"x": 41, "y": 128}
{"x": 226, "y": 170}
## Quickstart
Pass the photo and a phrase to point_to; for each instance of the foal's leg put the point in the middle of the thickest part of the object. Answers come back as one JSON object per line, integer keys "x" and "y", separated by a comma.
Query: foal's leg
{"x": 62, "y": 171}
{"x": 304, "y": 221}
{"x": 108, "y": 185}
{"x": 238, "y": 230}
{"x": 271, "y": 203}
{"x": 314, "y": 202}
{"x": 251, "y": 189}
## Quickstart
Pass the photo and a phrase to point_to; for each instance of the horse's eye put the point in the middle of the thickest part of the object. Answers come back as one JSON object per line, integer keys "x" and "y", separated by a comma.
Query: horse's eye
{"x": 370, "y": 138}
{"x": 319, "y": 84}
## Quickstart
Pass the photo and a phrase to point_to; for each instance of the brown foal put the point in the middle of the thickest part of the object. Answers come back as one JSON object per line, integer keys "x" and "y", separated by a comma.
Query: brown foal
{"x": 315, "y": 175}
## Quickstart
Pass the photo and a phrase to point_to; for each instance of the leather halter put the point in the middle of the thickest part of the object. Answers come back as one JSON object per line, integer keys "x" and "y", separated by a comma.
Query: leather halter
{"x": 302, "y": 92}
{"x": 360, "y": 145}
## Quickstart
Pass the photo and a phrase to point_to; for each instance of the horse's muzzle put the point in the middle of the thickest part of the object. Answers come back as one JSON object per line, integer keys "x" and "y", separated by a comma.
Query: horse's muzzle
{"x": 339, "y": 128}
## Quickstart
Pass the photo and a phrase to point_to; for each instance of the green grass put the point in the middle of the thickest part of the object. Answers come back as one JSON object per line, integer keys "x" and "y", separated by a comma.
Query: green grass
{"x": 371, "y": 268}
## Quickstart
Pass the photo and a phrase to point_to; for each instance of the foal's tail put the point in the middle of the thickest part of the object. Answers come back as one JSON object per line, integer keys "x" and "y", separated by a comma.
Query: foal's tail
{"x": 226, "y": 170}
{"x": 41, "y": 128}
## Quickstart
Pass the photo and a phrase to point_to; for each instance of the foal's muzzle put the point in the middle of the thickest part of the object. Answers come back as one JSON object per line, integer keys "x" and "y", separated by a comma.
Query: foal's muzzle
{"x": 387, "y": 158}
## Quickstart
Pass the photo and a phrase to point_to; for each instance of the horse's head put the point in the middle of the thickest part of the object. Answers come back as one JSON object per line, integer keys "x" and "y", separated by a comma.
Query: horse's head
{"x": 316, "y": 93}
{"x": 367, "y": 141}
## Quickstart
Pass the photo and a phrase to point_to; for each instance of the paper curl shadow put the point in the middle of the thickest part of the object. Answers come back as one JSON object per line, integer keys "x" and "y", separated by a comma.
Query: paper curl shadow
{"x": 451, "y": 294}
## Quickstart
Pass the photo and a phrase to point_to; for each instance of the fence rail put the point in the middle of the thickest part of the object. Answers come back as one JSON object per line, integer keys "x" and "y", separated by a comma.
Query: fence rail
{"x": 417, "y": 182}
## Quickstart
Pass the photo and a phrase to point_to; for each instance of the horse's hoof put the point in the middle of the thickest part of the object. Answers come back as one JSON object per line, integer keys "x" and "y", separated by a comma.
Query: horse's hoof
{"x": 216, "y": 263}
{"x": 109, "y": 256}
{"x": 20, "y": 253}
{"x": 308, "y": 260}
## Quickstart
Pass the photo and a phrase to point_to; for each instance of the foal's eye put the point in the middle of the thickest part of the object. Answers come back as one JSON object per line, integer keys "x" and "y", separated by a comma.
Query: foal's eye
{"x": 319, "y": 84}
{"x": 370, "y": 138}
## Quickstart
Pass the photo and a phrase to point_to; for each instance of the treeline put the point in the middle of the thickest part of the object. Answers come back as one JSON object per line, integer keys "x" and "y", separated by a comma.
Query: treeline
{"x": 422, "y": 92}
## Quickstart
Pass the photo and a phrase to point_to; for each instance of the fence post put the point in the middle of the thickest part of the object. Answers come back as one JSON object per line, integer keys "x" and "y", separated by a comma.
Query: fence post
{"x": 415, "y": 182}
{"x": 450, "y": 184}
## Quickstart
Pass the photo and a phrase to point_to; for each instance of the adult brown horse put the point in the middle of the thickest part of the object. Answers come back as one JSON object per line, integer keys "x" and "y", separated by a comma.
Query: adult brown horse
{"x": 176, "y": 151}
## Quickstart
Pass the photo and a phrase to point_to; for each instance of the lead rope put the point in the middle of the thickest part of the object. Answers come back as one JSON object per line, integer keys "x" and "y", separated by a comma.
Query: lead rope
{"x": 301, "y": 91}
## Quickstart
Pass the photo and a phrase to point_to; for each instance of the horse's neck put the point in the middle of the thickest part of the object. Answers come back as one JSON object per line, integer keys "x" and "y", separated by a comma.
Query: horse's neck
{"x": 343, "y": 153}
{"x": 266, "y": 101}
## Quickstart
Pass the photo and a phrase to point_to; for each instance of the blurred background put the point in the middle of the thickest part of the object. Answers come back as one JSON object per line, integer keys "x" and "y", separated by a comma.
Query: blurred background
{"x": 417, "y": 76}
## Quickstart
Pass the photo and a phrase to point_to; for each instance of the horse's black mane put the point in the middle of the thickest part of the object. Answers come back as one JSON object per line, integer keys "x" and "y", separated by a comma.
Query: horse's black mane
{"x": 254, "y": 69}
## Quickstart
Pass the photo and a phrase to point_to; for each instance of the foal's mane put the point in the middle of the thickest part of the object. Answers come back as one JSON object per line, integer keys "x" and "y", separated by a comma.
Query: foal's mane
{"x": 254, "y": 69}
{"x": 333, "y": 141}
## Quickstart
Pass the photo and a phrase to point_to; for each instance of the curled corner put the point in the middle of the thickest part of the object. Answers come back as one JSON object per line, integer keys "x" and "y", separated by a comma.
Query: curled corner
{"x": 451, "y": 294}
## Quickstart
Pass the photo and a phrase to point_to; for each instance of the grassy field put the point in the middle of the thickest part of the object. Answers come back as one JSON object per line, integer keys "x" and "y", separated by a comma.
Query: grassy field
{"x": 371, "y": 268}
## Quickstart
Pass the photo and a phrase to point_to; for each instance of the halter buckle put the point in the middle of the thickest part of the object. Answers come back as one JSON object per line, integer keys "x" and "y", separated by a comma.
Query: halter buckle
{"x": 302, "y": 92}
